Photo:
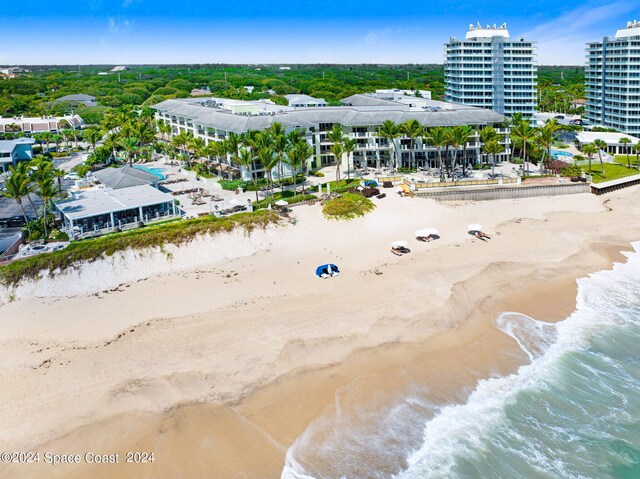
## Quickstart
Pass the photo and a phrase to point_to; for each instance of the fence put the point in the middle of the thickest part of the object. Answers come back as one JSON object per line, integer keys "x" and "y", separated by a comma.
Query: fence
{"x": 421, "y": 185}
{"x": 613, "y": 185}
{"x": 502, "y": 193}
{"x": 392, "y": 179}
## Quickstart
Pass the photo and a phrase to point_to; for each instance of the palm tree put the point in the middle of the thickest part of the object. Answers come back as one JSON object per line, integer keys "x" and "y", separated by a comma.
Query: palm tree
{"x": 487, "y": 134}
{"x": 436, "y": 137}
{"x": 245, "y": 158}
{"x": 545, "y": 137}
{"x": 196, "y": 146}
{"x": 298, "y": 154}
{"x": 17, "y": 186}
{"x": 493, "y": 147}
{"x": 181, "y": 141}
{"x": 463, "y": 135}
{"x": 601, "y": 145}
{"x": 280, "y": 145}
{"x": 450, "y": 136}
{"x": 412, "y": 129}
{"x": 93, "y": 136}
{"x": 336, "y": 136}
{"x": 56, "y": 138}
{"x": 164, "y": 129}
{"x": 129, "y": 144}
{"x": 43, "y": 178}
{"x": 349, "y": 145}
{"x": 626, "y": 141}
{"x": 636, "y": 149}
{"x": 524, "y": 132}
{"x": 589, "y": 149}
{"x": 390, "y": 131}
{"x": 268, "y": 159}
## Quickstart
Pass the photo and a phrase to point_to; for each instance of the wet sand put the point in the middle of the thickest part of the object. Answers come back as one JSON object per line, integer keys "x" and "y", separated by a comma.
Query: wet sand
{"x": 247, "y": 431}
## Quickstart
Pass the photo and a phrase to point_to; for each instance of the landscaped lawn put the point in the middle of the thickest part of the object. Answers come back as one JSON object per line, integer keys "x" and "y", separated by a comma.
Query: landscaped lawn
{"x": 622, "y": 159}
{"x": 613, "y": 171}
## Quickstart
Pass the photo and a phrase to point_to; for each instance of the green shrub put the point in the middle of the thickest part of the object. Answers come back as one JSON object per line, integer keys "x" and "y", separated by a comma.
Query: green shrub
{"x": 318, "y": 174}
{"x": 574, "y": 171}
{"x": 347, "y": 207}
{"x": 300, "y": 199}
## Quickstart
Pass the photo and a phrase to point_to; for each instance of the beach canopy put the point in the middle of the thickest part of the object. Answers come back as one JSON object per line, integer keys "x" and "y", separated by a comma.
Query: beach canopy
{"x": 327, "y": 269}
{"x": 474, "y": 227}
{"x": 281, "y": 203}
{"x": 426, "y": 232}
{"x": 399, "y": 244}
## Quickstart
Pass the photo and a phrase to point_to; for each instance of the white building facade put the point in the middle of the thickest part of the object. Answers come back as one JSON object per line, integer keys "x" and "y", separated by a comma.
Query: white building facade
{"x": 490, "y": 70}
{"x": 612, "y": 77}
{"x": 360, "y": 118}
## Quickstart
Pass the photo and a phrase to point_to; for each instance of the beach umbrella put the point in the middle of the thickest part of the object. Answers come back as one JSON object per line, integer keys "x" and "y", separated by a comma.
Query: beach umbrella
{"x": 399, "y": 244}
{"x": 281, "y": 203}
{"x": 474, "y": 227}
{"x": 425, "y": 232}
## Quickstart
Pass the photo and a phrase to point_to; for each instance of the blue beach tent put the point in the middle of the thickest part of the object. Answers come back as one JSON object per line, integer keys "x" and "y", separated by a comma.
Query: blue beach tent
{"x": 327, "y": 269}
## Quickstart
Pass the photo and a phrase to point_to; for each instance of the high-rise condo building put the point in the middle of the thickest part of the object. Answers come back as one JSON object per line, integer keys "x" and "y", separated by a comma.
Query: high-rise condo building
{"x": 612, "y": 76}
{"x": 490, "y": 70}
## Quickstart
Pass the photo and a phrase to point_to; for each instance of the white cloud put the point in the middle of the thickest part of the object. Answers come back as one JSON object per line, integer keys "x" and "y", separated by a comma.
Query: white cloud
{"x": 378, "y": 37}
{"x": 562, "y": 41}
{"x": 116, "y": 25}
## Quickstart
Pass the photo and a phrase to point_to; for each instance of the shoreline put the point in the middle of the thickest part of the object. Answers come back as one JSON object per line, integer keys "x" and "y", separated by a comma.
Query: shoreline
{"x": 272, "y": 407}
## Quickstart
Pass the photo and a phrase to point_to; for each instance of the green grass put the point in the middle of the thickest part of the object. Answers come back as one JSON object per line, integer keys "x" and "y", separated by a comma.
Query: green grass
{"x": 612, "y": 170}
{"x": 286, "y": 195}
{"x": 347, "y": 207}
{"x": 147, "y": 237}
{"x": 622, "y": 159}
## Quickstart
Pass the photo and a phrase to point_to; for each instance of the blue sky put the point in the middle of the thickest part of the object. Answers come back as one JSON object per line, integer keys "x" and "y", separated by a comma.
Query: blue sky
{"x": 276, "y": 31}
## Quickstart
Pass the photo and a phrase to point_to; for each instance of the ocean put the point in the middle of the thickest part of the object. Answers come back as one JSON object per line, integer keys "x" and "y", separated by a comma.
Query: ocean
{"x": 572, "y": 411}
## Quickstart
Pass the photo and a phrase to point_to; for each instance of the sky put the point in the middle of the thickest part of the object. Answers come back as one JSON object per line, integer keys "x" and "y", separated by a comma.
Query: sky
{"x": 277, "y": 31}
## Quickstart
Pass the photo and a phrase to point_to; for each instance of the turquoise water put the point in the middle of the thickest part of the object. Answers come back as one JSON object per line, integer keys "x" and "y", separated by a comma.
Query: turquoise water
{"x": 573, "y": 412}
{"x": 153, "y": 171}
{"x": 557, "y": 153}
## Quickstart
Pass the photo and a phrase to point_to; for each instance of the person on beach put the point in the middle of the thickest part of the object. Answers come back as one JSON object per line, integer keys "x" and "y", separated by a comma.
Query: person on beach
{"x": 482, "y": 236}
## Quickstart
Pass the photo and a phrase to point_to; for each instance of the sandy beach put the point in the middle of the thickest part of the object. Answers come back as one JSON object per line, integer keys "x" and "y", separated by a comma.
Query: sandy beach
{"x": 220, "y": 362}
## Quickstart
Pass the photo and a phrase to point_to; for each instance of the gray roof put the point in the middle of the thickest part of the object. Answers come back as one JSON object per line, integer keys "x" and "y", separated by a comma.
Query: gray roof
{"x": 124, "y": 177}
{"x": 361, "y": 115}
{"x": 88, "y": 203}
{"x": 7, "y": 146}
{"x": 366, "y": 100}
{"x": 78, "y": 97}
{"x": 296, "y": 98}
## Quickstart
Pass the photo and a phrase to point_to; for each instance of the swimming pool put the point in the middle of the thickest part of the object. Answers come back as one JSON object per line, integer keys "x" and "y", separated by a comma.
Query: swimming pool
{"x": 557, "y": 153}
{"x": 153, "y": 171}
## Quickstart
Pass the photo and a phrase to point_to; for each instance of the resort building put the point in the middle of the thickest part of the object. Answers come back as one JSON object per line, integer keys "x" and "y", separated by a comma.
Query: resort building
{"x": 12, "y": 151}
{"x": 98, "y": 209}
{"x": 305, "y": 101}
{"x": 360, "y": 118}
{"x": 612, "y": 77}
{"x": 395, "y": 94}
{"x": 613, "y": 140}
{"x": 51, "y": 124}
{"x": 79, "y": 99}
{"x": 125, "y": 177}
{"x": 490, "y": 70}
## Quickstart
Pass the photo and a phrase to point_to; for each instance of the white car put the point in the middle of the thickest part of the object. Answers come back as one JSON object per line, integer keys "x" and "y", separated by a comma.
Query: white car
{"x": 72, "y": 176}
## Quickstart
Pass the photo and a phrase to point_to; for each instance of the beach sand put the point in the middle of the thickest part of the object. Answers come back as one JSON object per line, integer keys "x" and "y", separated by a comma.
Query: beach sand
{"x": 218, "y": 371}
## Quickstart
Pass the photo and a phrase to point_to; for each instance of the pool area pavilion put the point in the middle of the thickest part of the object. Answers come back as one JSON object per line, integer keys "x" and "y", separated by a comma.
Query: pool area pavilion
{"x": 103, "y": 209}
